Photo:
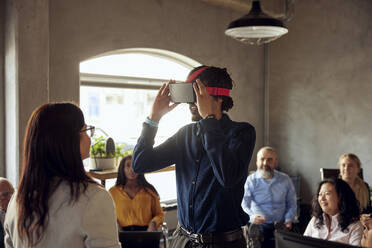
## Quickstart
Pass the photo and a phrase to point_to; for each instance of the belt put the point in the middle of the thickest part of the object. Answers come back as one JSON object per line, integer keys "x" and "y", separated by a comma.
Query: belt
{"x": 212, "y": 237}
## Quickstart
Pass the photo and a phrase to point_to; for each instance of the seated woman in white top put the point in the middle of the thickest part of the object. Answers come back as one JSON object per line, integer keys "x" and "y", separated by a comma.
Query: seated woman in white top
{"x": 335, "y": 214}
{"x": 57, "y": 205}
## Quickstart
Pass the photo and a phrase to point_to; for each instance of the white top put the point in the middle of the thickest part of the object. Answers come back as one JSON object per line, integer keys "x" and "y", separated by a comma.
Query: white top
{"x": 89, "y": 222}
{"x": 334, "y": 233}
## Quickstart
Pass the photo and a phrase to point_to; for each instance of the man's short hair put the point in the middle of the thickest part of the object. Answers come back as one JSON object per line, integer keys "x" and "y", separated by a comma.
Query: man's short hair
{"x": 268, "y": 148}
{"x": 216, "y": 77}
{"x": 5, "y": 181}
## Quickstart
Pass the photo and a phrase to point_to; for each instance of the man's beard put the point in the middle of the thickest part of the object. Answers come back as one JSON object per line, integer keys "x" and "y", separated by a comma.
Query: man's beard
{"x": 196, "y": 117}
{"x": 266, "y": 173}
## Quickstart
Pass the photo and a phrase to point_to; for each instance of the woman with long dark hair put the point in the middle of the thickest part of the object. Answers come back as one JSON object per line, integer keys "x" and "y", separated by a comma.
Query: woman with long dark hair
{"x": 137, "y": 201}
{"x": 335, "y": 213}
{"x": 57, "y": 204}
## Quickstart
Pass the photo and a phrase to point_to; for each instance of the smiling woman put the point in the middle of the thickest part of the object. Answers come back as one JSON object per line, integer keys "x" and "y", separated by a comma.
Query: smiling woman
{"x": 116, "y": 93}
{"x": 335, "y": 214}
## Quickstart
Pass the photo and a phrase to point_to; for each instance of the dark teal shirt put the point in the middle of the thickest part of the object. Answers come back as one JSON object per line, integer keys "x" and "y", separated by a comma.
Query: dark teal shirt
{"x": 212, "y": 158}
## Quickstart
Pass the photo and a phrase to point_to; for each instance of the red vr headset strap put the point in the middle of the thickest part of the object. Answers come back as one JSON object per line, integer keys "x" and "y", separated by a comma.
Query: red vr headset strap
{"x": 214, "y": 91}
{"x": 195, "y": 74}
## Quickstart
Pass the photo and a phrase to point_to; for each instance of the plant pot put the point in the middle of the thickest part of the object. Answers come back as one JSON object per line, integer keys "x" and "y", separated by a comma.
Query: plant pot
{"x": 102, "y": 163}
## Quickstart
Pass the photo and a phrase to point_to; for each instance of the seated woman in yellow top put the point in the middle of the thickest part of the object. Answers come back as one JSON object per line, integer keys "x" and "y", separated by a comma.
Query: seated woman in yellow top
{"x": 137, "y": 201}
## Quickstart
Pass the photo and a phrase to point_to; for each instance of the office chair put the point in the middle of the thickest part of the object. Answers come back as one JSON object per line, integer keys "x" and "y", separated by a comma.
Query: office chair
{"x": 334, "y": 173}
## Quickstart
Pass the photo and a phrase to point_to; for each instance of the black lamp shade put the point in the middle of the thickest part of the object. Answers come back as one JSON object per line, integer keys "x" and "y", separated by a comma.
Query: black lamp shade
{"x": 256, "y": 27}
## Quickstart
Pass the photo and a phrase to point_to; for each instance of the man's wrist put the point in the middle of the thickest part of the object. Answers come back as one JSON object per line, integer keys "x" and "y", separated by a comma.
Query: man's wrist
{"x": 154, "y": 117}
{"x": 151, "y": 122}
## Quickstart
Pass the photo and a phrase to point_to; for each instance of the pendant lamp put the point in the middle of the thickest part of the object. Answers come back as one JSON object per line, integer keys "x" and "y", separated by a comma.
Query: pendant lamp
{"x": 256, "y": 27}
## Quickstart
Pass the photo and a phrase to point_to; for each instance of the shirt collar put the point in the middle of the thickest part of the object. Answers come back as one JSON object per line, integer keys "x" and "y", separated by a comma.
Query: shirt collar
{"x": 334, "y": 219}
{"x": 224, "y": 122}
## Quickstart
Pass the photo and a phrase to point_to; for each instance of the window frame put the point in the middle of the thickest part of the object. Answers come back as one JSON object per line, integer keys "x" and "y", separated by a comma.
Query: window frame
{"x": 126, "y": 82}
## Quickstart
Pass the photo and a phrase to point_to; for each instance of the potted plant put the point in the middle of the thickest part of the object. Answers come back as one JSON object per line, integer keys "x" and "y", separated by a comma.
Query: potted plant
{"x": 102, "y": 154}
{"x": 121, "y": 152}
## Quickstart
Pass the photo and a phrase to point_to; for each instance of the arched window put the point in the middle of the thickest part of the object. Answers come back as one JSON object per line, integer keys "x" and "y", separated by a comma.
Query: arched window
{"x": 116, "y": 94}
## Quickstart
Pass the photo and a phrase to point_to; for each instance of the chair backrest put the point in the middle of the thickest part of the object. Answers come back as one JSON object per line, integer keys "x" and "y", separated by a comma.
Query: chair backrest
{"x": 334, "y": 173}
{"x": 296, "y": 183}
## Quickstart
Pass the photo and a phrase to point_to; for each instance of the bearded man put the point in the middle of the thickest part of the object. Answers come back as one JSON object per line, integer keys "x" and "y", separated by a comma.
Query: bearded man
{"x": 211, "y": 157}
{"x": 269, "y": 197}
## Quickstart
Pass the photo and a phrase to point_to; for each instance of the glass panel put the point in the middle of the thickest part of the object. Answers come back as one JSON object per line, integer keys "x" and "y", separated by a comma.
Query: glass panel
{"x": 136, "y": 65}
{"x": 165, "y": 184}
{"x": 121, "y": 112}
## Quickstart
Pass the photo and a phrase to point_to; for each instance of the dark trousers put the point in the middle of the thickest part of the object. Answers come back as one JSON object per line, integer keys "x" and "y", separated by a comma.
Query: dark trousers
{"x": 268, "y": 233}
{"x": 180, "y": 240}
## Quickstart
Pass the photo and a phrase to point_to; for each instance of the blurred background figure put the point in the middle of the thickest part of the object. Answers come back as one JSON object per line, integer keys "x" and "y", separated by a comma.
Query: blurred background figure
{"x": 56, "y": 204}
{"x": 137, "y": 201}
{"x": 349, "y": 171}
{"x": 367, "y": 234}
{"x": 6, "y": 192}
{"x": 335, "y": 214}
{"x": 269, "y": 198}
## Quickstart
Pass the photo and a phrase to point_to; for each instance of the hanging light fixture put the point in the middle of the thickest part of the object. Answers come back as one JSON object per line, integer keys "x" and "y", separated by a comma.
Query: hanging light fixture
{"x": 256, "y": 27}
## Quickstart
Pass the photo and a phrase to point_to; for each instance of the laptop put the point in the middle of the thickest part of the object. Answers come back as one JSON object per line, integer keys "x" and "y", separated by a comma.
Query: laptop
{"x": 139, "y": 239}
{"x": 286, "y": 239}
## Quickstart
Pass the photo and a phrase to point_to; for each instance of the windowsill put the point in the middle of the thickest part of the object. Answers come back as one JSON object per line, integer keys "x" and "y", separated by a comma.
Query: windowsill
{"x": 169, "y": 205}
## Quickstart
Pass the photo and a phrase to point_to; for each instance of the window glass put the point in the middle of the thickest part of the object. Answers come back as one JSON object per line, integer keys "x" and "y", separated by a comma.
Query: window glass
{"x": 120, "y": 111}
{"x": 134, "y": 64}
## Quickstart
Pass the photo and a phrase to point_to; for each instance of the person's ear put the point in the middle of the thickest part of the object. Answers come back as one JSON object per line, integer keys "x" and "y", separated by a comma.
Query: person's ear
{"x": 276, "y": 163}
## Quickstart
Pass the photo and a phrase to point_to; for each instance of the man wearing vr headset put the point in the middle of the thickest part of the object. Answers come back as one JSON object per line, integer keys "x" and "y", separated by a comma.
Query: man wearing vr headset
{"x": 211, "y": 157}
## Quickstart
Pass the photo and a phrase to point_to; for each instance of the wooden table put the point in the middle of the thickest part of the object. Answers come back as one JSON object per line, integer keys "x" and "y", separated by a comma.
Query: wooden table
{"x": 113, "y": 173}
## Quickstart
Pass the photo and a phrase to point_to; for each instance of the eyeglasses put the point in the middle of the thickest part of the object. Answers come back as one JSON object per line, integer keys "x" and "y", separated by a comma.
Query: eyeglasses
{"x": 90, "y": 130}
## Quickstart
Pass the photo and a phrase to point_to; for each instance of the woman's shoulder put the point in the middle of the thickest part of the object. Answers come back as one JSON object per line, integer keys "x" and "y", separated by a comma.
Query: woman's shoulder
{"x": 88, "y": 192}
{"x": 114, "y": 189}
{"x": 313, "y": 220}
{"x": 94, "y": 189}
{"x": 356, "y": 226}
{"x": 95, "y": 195}
{"x": 150, "y": 192}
